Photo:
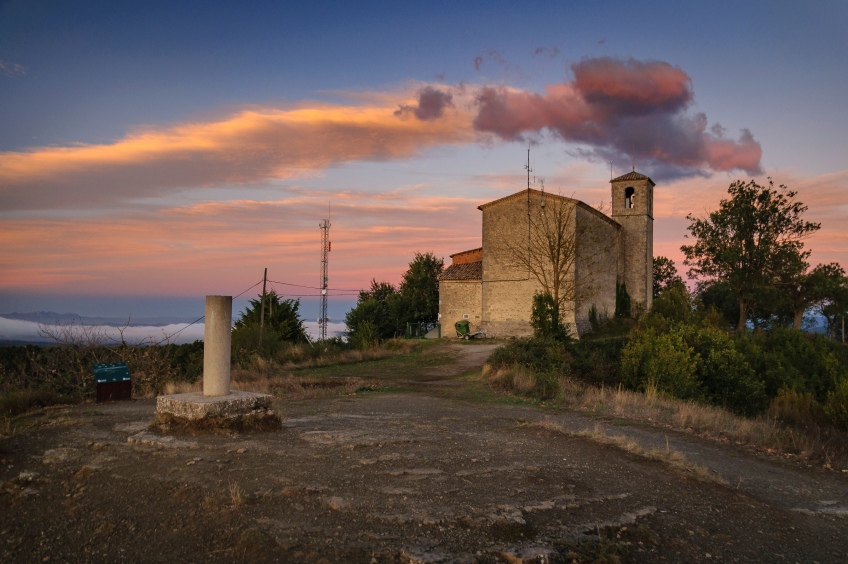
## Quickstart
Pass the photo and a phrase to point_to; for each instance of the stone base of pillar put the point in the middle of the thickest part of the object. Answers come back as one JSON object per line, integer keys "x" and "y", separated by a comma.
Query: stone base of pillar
{"x": 195, "y": 406}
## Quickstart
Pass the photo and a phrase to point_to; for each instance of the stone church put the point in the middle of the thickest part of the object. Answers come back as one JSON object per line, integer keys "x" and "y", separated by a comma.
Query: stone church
{"x": 493, "y": 287}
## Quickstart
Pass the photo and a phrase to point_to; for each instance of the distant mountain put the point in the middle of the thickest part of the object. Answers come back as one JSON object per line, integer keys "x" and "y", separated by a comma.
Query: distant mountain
{"x": 53, "y": 318}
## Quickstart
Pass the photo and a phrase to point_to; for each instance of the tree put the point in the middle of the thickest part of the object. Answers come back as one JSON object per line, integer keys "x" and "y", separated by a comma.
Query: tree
{"x": 549, "y": 255}
{"x": 829, "y": 293}
{"x": 754, "y": 236}
{"x": 383, "y": 311}
{"x": 419, "y": 288}
{"x": 376, "y": 315}
{"x": 665, "y": 275}
{"x": 545, "y": 319}
{"x": 282, "y": 318}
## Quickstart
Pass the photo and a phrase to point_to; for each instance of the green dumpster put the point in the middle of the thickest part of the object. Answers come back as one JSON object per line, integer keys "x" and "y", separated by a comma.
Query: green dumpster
{"x": 463, "y": 327}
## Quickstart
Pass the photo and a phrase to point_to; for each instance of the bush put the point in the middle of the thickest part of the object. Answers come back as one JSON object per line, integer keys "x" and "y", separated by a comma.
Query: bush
{"x": 597, "y": 361}
{"x": 539, "y": 355}
{"x": 836, "y": 407}
{"x": 246, "y": 346}
{"x": 545, "y": 319}
{"x": 799, "y": 409}
{"x": 729, "y": 382}
{"x": 661, "y": 361}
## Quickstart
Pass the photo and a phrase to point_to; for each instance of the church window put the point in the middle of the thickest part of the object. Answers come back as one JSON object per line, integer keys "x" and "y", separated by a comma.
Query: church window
{"x": 629, "y": 197}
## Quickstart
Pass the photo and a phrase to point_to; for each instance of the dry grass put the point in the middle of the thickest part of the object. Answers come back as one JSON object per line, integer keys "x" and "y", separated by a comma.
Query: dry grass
{"x": 237, "y": 495}
{"x": 811, "y": 445}
{"x": 707, "y": 421}
{"x": 673, "y": 458}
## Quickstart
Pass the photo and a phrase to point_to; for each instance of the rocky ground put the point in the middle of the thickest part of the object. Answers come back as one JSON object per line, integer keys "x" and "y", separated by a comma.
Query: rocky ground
{"x": 425, "y": 474}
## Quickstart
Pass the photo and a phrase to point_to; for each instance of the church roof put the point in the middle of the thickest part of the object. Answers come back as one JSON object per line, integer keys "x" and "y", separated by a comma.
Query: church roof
{"x": 464, "y": 271}
{"x": 633, "y": 176}
{"x": 523, "y": 194}
{"x": 584, "y": 205}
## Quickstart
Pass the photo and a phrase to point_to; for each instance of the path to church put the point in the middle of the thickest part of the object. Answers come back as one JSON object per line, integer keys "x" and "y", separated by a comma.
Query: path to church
{"x": 418, "y": 476}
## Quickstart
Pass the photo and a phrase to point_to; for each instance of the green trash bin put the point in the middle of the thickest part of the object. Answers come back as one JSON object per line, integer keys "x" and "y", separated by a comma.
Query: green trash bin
{"x": 463, "y": 327}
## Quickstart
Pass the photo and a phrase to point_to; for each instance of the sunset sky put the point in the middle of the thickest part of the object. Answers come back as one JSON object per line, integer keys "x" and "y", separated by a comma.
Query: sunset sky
{"x": 155, "y": 152}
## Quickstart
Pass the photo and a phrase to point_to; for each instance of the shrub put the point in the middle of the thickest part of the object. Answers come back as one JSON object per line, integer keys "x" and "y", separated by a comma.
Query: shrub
{"x": 796, "y": 408}
{"x": 246, "y": 346}
{"x": 729, "y": 382}
{"x": 597, "y": 362}
{"x": 836, "y": 407}
{"x": 662, "y": 361}
{"x": 545, "y": 319}
{"x": 539, "y": 355}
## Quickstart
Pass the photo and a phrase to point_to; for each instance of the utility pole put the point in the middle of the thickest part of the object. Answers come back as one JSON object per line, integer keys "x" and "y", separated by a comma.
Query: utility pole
{"x": 262, "y": 308}
{"x": 325, "y": 250}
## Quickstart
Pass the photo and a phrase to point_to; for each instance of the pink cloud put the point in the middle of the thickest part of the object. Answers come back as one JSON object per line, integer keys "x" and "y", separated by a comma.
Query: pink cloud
{"x": 622, "y": 110}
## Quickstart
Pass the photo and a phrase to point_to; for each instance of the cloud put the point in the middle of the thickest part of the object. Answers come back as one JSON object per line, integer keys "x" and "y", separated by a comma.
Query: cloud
{"x": 550, "y": 52}
{"x": 11, "y": 69}
{"x": 250, "y": 146}
{"x": 178, "y": 333}
{"x": 222, "y": 246}
{"x": 621, "y": 110}
{"x": 431, "y": 104}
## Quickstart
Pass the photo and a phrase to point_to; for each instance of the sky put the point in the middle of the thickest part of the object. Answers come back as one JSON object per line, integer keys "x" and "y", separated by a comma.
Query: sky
{"x": 152, "y": 153}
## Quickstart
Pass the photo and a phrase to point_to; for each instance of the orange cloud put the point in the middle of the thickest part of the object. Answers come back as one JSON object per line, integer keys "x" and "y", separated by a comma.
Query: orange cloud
{"x": 218, "y": 247}
{"x": 250, "y": 146}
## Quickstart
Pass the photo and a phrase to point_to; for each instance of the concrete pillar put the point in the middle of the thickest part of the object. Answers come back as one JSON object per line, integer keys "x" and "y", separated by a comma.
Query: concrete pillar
{"x": 217, "y": 345}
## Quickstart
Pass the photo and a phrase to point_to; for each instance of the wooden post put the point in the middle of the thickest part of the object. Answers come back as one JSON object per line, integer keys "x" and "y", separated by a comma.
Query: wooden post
{"x": 262, "y": 309}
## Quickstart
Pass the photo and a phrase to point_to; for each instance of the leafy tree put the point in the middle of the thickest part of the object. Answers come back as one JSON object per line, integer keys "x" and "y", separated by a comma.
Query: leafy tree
{"x": 376, "y": 316}
{"x": 719, "y": 296}
{"x": 282, "y": 318}
{"x": 383, "y": 311}
{"x": 546, "y": 320}
{"x": 829, "y": 293}
{"x": 419, "y": 288}
{"x": 754, "y": 236}
{"x": 665, "y": 274}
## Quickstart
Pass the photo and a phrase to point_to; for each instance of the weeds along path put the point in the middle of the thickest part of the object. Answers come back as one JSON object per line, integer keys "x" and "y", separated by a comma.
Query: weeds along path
{"x": 777, "y": 481}
{"x": 394, "y": 476}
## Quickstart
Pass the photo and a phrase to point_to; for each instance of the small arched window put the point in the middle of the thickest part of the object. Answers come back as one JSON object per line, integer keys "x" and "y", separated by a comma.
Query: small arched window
{"x": 629, "y": 198}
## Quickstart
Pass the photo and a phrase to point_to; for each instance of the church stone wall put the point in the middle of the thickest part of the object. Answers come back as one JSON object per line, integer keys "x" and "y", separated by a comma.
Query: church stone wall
{"x": 598, "y": 253}
{"x": 458, "y": 298}
{"x": 507, "y": 288}
{"x": 637, "y": 222}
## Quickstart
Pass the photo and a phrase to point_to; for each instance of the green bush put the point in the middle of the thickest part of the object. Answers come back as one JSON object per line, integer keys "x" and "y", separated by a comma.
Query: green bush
{"x": 246, "y": 346}
{"x": 661, "y": 361}
{"x": 545, "y": 319}
{"x": 836, "y": 406}
{"x": 597, "y": 361}
{"x": 539, "y": 355}
{"x": 730, "y": 382}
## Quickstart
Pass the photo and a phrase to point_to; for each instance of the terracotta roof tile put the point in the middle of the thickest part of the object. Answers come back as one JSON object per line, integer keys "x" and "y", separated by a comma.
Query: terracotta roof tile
{"x": 633, "y": 176}
{"x": 465, "y": 271}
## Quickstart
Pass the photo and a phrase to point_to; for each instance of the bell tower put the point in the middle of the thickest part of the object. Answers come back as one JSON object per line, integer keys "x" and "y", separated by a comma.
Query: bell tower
{"x": 633, "y": 209}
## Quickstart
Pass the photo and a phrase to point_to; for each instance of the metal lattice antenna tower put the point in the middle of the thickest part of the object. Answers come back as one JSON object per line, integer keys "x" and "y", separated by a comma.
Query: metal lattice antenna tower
{"x": 325, "y": 263}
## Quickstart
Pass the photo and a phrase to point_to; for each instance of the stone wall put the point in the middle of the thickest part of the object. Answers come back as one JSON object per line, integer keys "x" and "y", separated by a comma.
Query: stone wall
{"x": 637, "y": 224}
{"x": 598, "y": 253}
{"x": 458, "y": 298}
{"x": 508, "y": 289}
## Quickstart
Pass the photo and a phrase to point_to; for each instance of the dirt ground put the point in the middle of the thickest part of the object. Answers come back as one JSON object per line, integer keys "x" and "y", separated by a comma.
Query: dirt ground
{"x": 426, "y": 474}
